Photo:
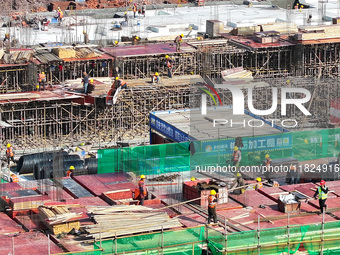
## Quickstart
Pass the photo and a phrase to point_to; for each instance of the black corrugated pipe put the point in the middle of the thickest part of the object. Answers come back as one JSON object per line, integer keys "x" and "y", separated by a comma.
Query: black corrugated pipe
{"x": 92, "y": 165}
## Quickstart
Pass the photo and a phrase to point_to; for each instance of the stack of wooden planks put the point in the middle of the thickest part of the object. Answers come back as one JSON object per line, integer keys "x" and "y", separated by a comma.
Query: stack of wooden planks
{"x": 64, "y": 52}
{"x": 128, "y": 220}
{"x": 59, "y": 219}
{"x": 87, "y": 53}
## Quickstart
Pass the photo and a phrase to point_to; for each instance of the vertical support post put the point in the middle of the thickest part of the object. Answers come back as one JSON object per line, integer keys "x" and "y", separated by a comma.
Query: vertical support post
{"x": 288, "y": 241}
{"x": 49, "y": 244}
{"x": 322, "y": 232}
{"x": 162, "y": 239}
{"x": 193, "y": 249}
{"x": 116, "y": 248}
{"x": 226, "y": 235}
{"x": 13, "y": 245}
{"x": 258, "y": 235}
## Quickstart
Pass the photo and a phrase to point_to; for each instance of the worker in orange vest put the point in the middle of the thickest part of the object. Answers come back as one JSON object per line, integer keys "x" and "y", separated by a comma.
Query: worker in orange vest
{"x": 178, "y": 40}
{"x": 60, "y": 15}
{"x": 14, "y": 178}
{"x": 212, "y": 203}
{"x": 259, "y": 184}
{"x": 236, "y": 157}
{"x": 169, "y": 65}
{"x": 142, "y": 189}
{"x": 268, "y": 161}
{"x": 134, "y": 8}
{"x": 70, "y": 172}
{"x": 121, "y": 83}
{"x": 42, "y": 80}
{"x": 9, "y": 153}
{"x": 156, "y": 78}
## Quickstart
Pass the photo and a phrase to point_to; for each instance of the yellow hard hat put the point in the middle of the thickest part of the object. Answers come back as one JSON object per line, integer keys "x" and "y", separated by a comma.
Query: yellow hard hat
{"x": 125, "y": 12}
{"x": 258, "y": 179}
{"x": 8, "y": 145}
{"x": 238, "y": 175}
{"x": 142, "y": 176}
{"x": 116, "y": 42}
{"x": 212, "y": 192}
{"x": 82, "y": 144}
{"x": 42, "y": 73}
{"x": 91, "y": 80}
{"x": 156, "y": 73}
{"x": 193, "y": 179}
{"x": 117, "y": 78}
{"x": 182, "y": 35}
{"x": 37, "y": 87}
{"x": 288, "y": 81}
{"x": 71, "y": 167}
{"x": 167, "y": 56}
{"x": 137, "y": 37}
{"x": 267, "y": 156}
{"x": 84, "y": 32}
{"x": 235, "y": 148}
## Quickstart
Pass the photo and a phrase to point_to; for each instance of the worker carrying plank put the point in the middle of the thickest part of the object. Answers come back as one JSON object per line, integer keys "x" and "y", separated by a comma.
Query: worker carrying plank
{"x": 9, "y": 154}
{"x": 239, "y": 182}
{"x": 178, "y": 40}
{"x": 322, "y": 192}
{"x": 212, "y": 203}
{"x": 236, "y": 158}
{"x": 142, "y": 189}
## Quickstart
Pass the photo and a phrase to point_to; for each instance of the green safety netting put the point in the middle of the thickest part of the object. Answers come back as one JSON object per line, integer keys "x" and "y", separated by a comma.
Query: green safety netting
{"x": 183, "y": 241}
{"x": 176, "y": 157}
{"x": 95, "y": 251}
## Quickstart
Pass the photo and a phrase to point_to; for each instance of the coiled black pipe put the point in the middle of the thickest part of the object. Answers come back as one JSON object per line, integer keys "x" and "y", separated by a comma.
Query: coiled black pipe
{"x": 45, "y": 169}
{"x": 92, "y": 165}
{"x": 27, "y": 162}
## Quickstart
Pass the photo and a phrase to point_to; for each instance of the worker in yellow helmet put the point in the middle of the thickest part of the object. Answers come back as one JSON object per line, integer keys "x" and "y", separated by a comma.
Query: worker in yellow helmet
{"x": 169, "y": 65}
{"x": 142, "y": 189}
{"x": 70, "y": 172}
{"x": 192, "y": 179}
{"x": 268, "y": 161}
{"x": 238, "y": 182}
{"x": 259, "y": 184}
{"x": 86, "y": 37}
{"x": 178, "y": 40}
{"x": 9, "y": 154}
{"x": 120, "y": 83}
{"x": 156, "y": 78}
{"x": 42, "y": 80}
{"x": 212, "y": 203}
{"x": 135, "y": 40}
{"x": 236, "y": 158}
{"x": 116, "y": 44}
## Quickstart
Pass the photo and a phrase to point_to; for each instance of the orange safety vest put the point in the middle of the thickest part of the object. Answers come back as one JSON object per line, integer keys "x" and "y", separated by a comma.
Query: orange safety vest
{"x": 122, "y": 82}
{"x": 69, "y": 173}
{"x": 42, "y": 77}
{"x": 235, "y": 156}
{"x": 211, "y": 202}
{"x": 15, "y": 178}
{"x": 292, "y": 168}
{"x": 134, "y": 8}
{"x": 61, "y": 14}
{"x": 9, "y": 152}
{"x": 169, "y": 64}
{"x": 259, "y": 185}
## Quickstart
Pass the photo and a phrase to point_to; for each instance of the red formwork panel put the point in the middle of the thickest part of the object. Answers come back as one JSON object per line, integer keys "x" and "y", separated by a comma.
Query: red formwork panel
{"x": 54, "y": 194}
{"x": 252, "y": 198}
{"x": 192, "y": 220}
{"x": 10, "y": 186}
{"x": 272, "y": 193}
{"x": 28, "y": 243}
{"x": 92, "y": 184}
{"x": 111, "y": 177}
{"x": 304, "y": 188}
{"x": 31, "y": 221}
{"x": 7, "y": 225}
{"x": 330, "y": 202}
{"x": 121, "y": 186}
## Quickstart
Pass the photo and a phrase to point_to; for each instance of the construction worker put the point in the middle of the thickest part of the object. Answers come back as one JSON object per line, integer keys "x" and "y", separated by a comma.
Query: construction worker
{"x": 178, "y": 40}
{"x": 85, "y": 81}
{"x": 143, "y": 9}
{"x": 236, "y": 157}
{"x": 169, "y": 65}
{"x": 212, "y": 203}
{"x": 135, "y": 40}
{"x": 239, "y": 182}
{"x": 70, "y": 172}
{"x": 7, "y": 38}
{"x": 322, "y": 192}
{"x": 14, "y": 178}
{"x": 116, "y": 44}
{"x": 293, "y": 175}
{"x": 274, "y": 183}
{"x": 156, "y": 78}
{"x": 268, "y": 161}
{"x": 86, "y": 37}
{"x": 126, "y": 18}
{"x": 42, "y": 80}
{"x": 60, "y": 15}
{"x": 90, "y": 87}
{"x": 142, "y": 189}
{"x": 121, "y": 83}
{"x": 259, "y": 184}
{"x": 9, "y": 154}
{"x": 134, "y": 9}
{"x": 192, "y": 179}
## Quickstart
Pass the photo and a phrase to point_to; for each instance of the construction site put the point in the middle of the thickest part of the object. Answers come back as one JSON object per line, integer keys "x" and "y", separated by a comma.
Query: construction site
{"x": 170, "y": 127}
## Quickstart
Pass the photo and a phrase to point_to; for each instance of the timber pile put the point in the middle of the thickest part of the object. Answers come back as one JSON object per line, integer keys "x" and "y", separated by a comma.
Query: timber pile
{"x": 17, "y": 57}
{"x": 87, "y": 53}
{"x": 128, "y": 223}
{"x": 103, "y": 210}
{"x": 59, "y": 219}
{"x": 64, "y": 52}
